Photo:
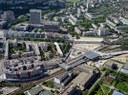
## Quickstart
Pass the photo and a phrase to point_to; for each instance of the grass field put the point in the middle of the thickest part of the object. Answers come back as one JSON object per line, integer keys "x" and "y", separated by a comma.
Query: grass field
{"x": 103, "y": 90}
{"x": 99, "y": 92}
{"x": 73, "y": 1}
{"x": 122, "y": 86}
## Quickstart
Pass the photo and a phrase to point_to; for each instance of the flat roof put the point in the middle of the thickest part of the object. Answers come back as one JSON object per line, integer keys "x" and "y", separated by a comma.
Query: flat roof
{"x": 91, "y": 55}
{"x": 35, "y": 90}
{"x": 46, "y": 92}
{"x": 69, "y": 90}
{"x": 51, "y": 23}
{"x": 35, "y": 10}
{"x": 117, "y": 93}
{"x": 88, "y": 39}
{"x": 82, "y": 78}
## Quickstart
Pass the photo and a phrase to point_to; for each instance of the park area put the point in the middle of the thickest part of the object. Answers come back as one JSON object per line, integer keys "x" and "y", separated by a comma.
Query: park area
{"x": 103, "y": 90}
{"x": 111, "y": 81}
{"x": 123, "y": 86}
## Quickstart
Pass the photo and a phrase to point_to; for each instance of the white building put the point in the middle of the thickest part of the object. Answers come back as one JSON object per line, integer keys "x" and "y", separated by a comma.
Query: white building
{"x": 77, "y": 30}
{"x": 22, "y": 27}
{"x": 78, "y": 12}
{"x": 61, "y": 78}
{"x": 91, "y": 16}
{"x": 124, "y": 20}
{"x": 7, "y": 50}
{"x": 73, "y": 19}
{"x": 103, "y": 31}
{"x": 58, "y": 49}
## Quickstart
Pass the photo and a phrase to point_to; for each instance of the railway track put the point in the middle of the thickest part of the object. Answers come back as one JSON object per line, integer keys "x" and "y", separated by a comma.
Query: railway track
{"x": 28, "y": 85}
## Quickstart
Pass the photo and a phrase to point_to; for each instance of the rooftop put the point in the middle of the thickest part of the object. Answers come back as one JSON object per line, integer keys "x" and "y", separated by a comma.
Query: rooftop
{"x": 117, "y": 93}
{"x": 88, "y": 39}
{"x": 91, "y": 55}
{"x": 35, "y": 90}
{"x": 51, "y": 23}
{"x": 82, "y": 78}
{"x": 35, "y": 10}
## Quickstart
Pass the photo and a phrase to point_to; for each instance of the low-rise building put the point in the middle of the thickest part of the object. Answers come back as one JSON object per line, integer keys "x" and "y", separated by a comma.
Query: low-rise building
{"x": 124, "y": 20}
{"x": 16, "y": 55}
{"x": 44, "y": 46}
{"x": 92, "y": 55}
{"x": 88, "y": 33}
{"x": 117, "y": 93}
{"x": 124, "y": 69}
{"x": 110, "y": 23}
{"x": 92, "y": 16}
{"x": 38, "y": 90}
{"x": 10, "y": 33}
{"x": 83, "y": 80}
{"x": 51, "y": 26}
{"x": 73, "y": 20}
{"x": 23, "y": 70}
{"x": 34, "y": 91}
{"x": 111, "y": 64}
{"x": 70, "y": 91}
{"x": 103, "y": 31}
{"x": 28, "y": 54}
{"x": 22, "y": 27}
{"x": 89, "y": 40}
{"x": 77, "y": 30}
{"x": 60, "y": 79}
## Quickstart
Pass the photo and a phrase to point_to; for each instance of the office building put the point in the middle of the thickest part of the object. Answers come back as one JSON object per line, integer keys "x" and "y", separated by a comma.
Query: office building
{"x": 35, "y": 16}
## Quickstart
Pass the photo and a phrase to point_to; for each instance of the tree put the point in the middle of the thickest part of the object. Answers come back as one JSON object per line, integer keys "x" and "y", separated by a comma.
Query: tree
{"x": 124, "y": 44}
{"x": 85, "y": 92}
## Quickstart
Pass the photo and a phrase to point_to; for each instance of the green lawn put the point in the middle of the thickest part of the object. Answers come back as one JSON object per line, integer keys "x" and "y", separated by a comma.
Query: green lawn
{"x": 73, "y": 1}
{"x": 99, "y": 92}
{"x": 49, "y": 84}
{"x": 105, "y": 88}
{"x": 122, "y": 86}
{"x": 114, "y": 82}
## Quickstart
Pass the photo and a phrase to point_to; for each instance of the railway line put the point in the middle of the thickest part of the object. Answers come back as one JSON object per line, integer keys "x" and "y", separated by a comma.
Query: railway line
{"x": 28, "y": 85}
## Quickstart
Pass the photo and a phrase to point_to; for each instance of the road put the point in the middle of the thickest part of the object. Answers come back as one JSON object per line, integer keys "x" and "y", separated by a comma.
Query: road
{"x": 28, "y": 85}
